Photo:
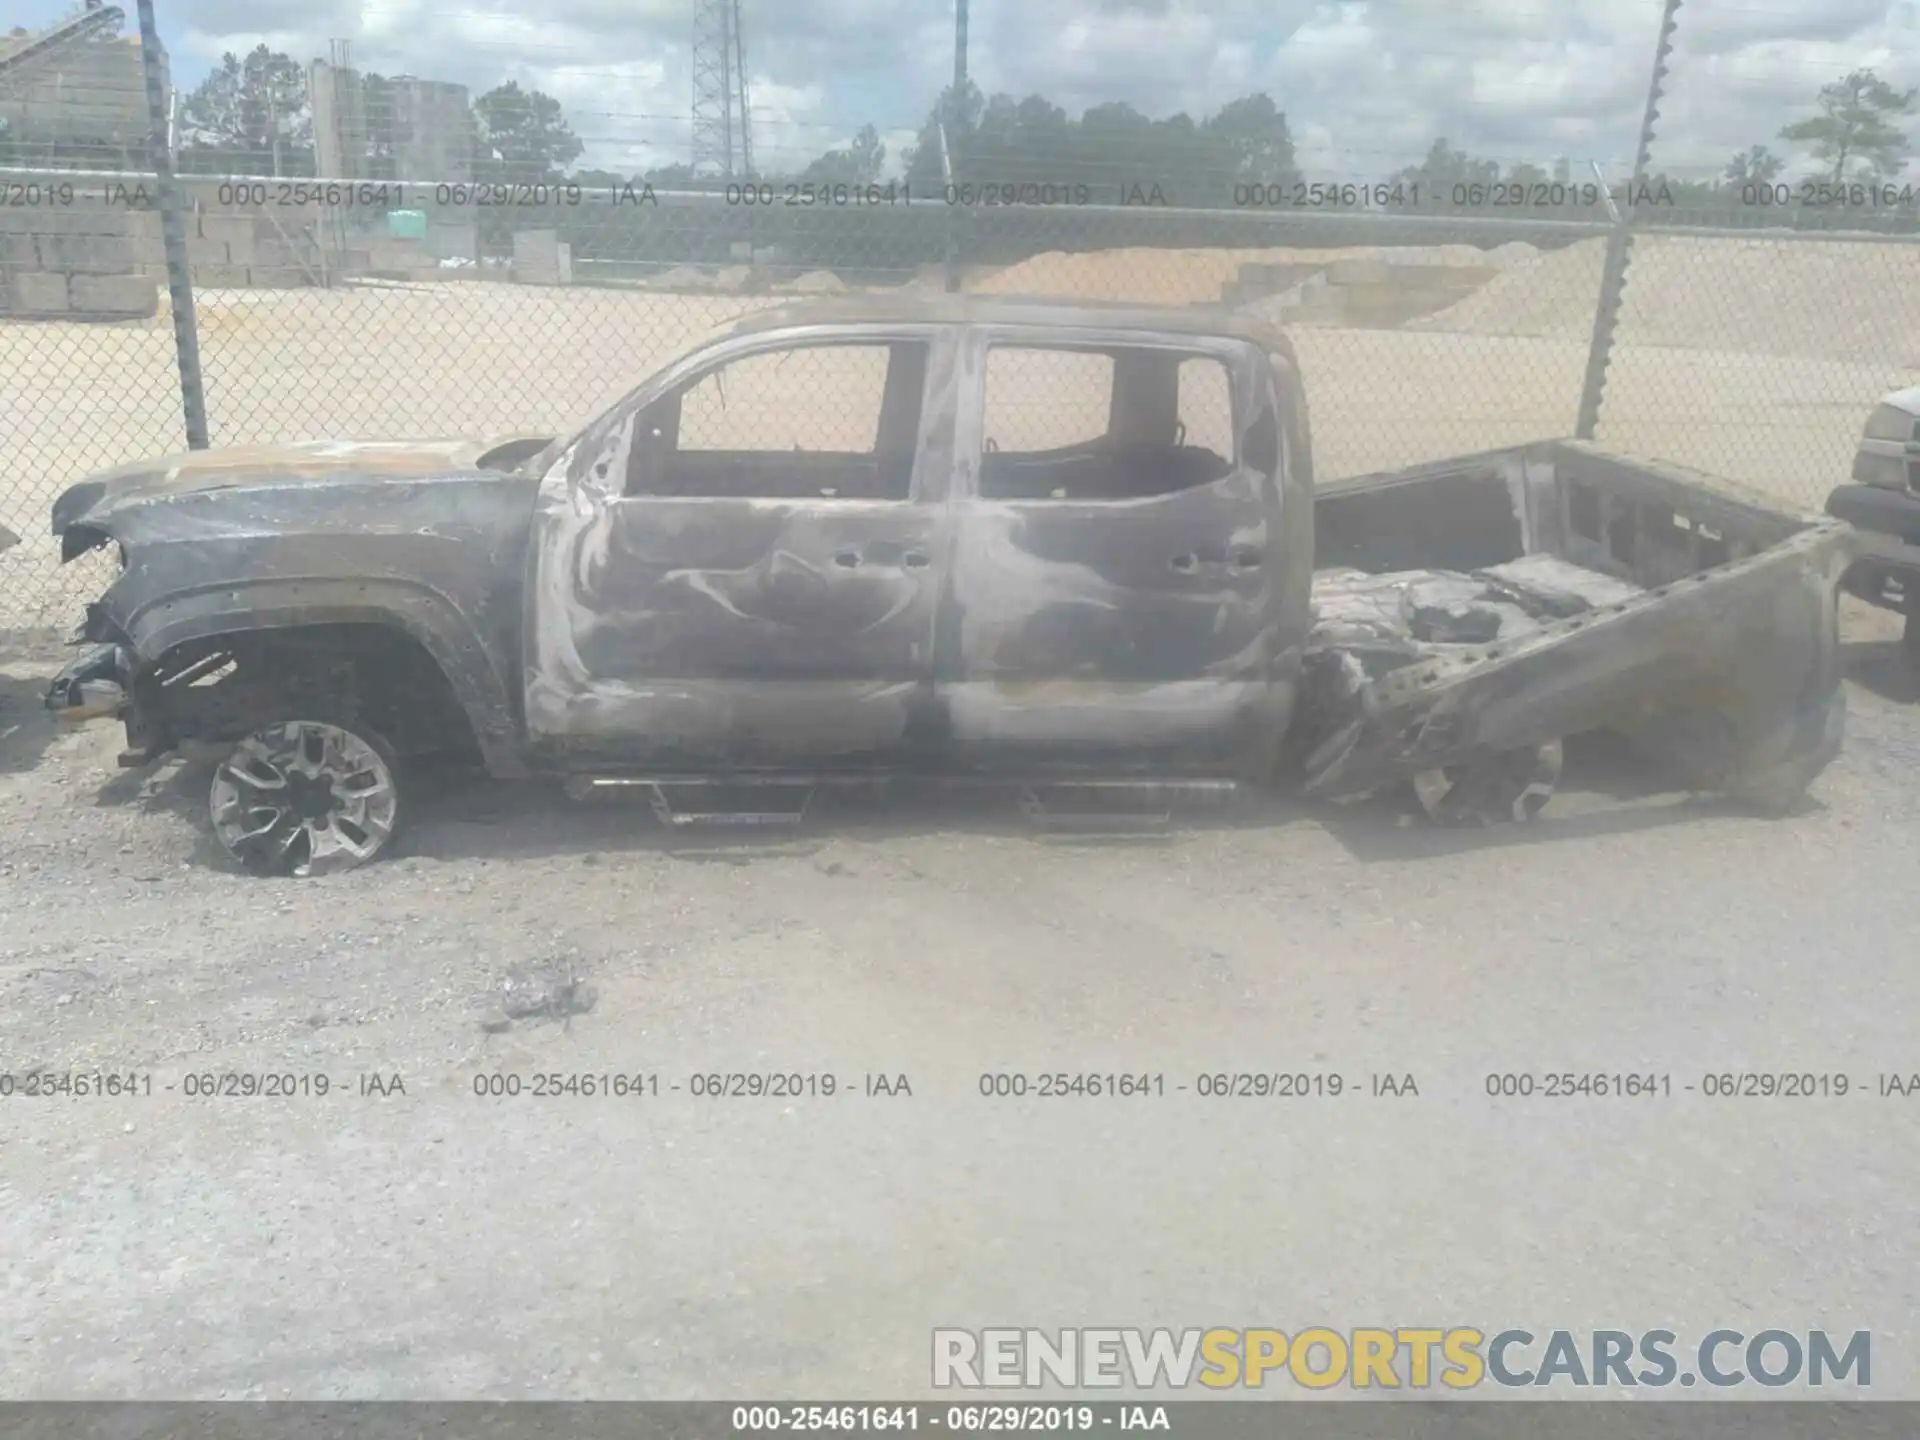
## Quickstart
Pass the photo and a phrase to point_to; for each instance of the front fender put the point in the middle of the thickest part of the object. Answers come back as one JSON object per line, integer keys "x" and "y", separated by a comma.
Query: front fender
{"x": 155, "y": 625}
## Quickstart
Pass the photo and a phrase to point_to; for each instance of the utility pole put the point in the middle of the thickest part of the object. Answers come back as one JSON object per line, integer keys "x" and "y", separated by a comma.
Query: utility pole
{"x": 959, "y": 47}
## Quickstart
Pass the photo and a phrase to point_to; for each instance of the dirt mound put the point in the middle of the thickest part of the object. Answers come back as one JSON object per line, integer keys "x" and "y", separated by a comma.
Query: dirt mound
{"x": 1549, "y": 293}
{"x": 817, "y": 282}
{"x": 1514, "y": 252}
{"x": 1157, "y": 277}
{"x": 1197, "y": 277}
{"x": 1760, "y": 296}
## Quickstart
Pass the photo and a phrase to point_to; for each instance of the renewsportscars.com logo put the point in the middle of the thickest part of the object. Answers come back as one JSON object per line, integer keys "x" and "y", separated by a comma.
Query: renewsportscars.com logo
{"x": 1457, "y": 1358}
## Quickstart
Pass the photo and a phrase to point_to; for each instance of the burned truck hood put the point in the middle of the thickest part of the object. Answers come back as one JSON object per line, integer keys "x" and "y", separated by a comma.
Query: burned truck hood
{"x": 425, "y": 539}
{"x": 95, "y": 500}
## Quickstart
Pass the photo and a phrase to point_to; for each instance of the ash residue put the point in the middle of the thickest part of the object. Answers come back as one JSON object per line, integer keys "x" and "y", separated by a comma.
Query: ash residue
{"x": 550, "y": 988}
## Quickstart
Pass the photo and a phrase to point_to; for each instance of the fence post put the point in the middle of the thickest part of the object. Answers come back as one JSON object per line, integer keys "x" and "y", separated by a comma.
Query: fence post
{"x": 946, "y": 155}
{"x": 186, "y": 332}
{"x": 1613, "y": 274}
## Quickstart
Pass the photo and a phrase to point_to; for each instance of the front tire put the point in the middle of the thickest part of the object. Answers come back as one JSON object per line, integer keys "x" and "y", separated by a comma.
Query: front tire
{"x": 307, "y": 797}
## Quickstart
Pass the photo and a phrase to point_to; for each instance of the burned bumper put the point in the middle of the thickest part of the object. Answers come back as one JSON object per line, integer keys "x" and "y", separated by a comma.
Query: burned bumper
{"x": 93, "y": 686}
{"x": 98, "y": 685}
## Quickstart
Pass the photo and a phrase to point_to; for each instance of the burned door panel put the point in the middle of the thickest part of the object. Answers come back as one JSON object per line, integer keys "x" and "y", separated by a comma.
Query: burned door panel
{"x": 690, "y": 624}
{"x": 1115, "y": 588}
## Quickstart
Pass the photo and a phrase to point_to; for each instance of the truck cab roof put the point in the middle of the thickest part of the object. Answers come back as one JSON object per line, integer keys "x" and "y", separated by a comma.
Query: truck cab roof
{"x": 1030, "y": 312}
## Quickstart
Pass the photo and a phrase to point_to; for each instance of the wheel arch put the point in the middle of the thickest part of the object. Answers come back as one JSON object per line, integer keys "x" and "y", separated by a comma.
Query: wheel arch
{"x": 456, "y": 649}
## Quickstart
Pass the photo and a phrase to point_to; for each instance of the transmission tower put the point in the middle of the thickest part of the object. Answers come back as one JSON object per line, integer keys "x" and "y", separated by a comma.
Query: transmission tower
{"x": 722, "y": 137}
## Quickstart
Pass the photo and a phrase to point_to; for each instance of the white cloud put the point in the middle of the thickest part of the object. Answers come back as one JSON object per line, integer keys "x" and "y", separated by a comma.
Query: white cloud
{"x": 1367, "y": 84}
{"x": 898, "y": 143}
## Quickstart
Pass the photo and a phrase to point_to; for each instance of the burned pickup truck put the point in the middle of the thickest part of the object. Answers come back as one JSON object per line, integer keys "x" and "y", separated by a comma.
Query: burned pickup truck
{"x": 1049, "y": 545}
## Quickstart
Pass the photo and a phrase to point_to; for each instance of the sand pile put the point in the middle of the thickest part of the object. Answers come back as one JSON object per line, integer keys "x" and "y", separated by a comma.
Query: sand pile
{"x": 1283, "y": 308}
{"x": 1148, "y": 276}
{"x": 817, "y": 282}
{"x": 1514, "y": 252}
{"x": 1548, "y": 293}
{"x": 1196, "y": 277}
{"x": 1759, "y": 296}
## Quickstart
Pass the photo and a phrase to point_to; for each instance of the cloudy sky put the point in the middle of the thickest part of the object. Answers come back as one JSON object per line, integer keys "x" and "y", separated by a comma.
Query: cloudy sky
{"x": 1366, "y": 85}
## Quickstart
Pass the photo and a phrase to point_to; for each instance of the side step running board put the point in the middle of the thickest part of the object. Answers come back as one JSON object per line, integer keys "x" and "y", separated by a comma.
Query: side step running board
{"x": 1060, "y": 805}
{"x": 1105, "y": 805}
{"x": 678, "y": 802}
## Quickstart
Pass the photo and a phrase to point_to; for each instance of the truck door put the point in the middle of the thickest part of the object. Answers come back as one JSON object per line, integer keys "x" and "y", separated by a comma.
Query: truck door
{"x": 743, "y": 573}
{"x": 1120, "y": 589}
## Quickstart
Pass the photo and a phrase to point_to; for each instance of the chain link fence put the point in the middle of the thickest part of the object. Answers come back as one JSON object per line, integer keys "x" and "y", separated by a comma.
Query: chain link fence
{"x": 435, "y": 305}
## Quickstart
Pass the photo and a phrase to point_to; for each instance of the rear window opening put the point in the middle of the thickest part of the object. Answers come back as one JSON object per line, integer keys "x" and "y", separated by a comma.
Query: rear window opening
{"x": 1104, "y": 425}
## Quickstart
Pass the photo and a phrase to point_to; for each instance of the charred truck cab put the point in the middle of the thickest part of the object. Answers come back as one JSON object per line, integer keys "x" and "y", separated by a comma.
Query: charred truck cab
{"x": 1019, "y": 551}
{"x": 1060, "y": 546}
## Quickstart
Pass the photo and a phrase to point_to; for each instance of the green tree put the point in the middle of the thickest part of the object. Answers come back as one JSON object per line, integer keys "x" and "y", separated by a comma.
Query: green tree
{"x": 1258, "y": 144}
{"x": 1854, "y": 124}
{"x": 602, "y": 180}
{"x": 680, "y": 176}
{"x": 522, "y": 136}
{"x": 249, "y": 116}
{"x": 1113, "y": 149}
{"x": 856, "y": 164}
{"x": 1443, "y": 168}
{"x": 1756, "y": 165}
{"x": 961, "y": 114}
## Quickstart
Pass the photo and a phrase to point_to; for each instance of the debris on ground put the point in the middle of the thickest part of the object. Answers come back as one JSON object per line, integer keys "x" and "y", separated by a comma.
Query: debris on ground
{"x": 552, "y": 988}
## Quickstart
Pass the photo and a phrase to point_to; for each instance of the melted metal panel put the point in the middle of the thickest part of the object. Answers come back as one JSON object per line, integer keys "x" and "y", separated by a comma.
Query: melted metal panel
{"x": 732, "y": 632}
{"x": 438, "y": 556}
{"x": 1149, "y": 625}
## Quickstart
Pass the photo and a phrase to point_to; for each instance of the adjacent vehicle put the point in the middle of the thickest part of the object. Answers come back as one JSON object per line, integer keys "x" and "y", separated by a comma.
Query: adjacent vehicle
{"x": 1883, "y": 502}
{"x": 1076, "y": 549}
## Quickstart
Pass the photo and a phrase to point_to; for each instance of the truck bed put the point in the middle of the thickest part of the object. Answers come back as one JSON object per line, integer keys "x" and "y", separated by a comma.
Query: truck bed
{"x": 1499, "y": 601}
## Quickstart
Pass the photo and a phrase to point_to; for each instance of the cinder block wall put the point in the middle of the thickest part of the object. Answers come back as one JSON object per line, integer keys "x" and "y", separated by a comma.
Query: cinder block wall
{"x": 79, "y": 260}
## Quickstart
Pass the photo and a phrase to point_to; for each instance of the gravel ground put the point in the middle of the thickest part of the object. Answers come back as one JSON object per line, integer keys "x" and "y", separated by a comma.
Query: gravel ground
{"x": 434, "y": 1243}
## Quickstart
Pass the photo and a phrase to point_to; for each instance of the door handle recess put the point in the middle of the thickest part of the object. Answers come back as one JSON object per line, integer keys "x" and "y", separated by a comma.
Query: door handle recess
{"x": 1247, "y": 559}
{"x": 915, "y": 560}
{"x": 1185, "y": 564}
{"x": 847, "y": 559}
